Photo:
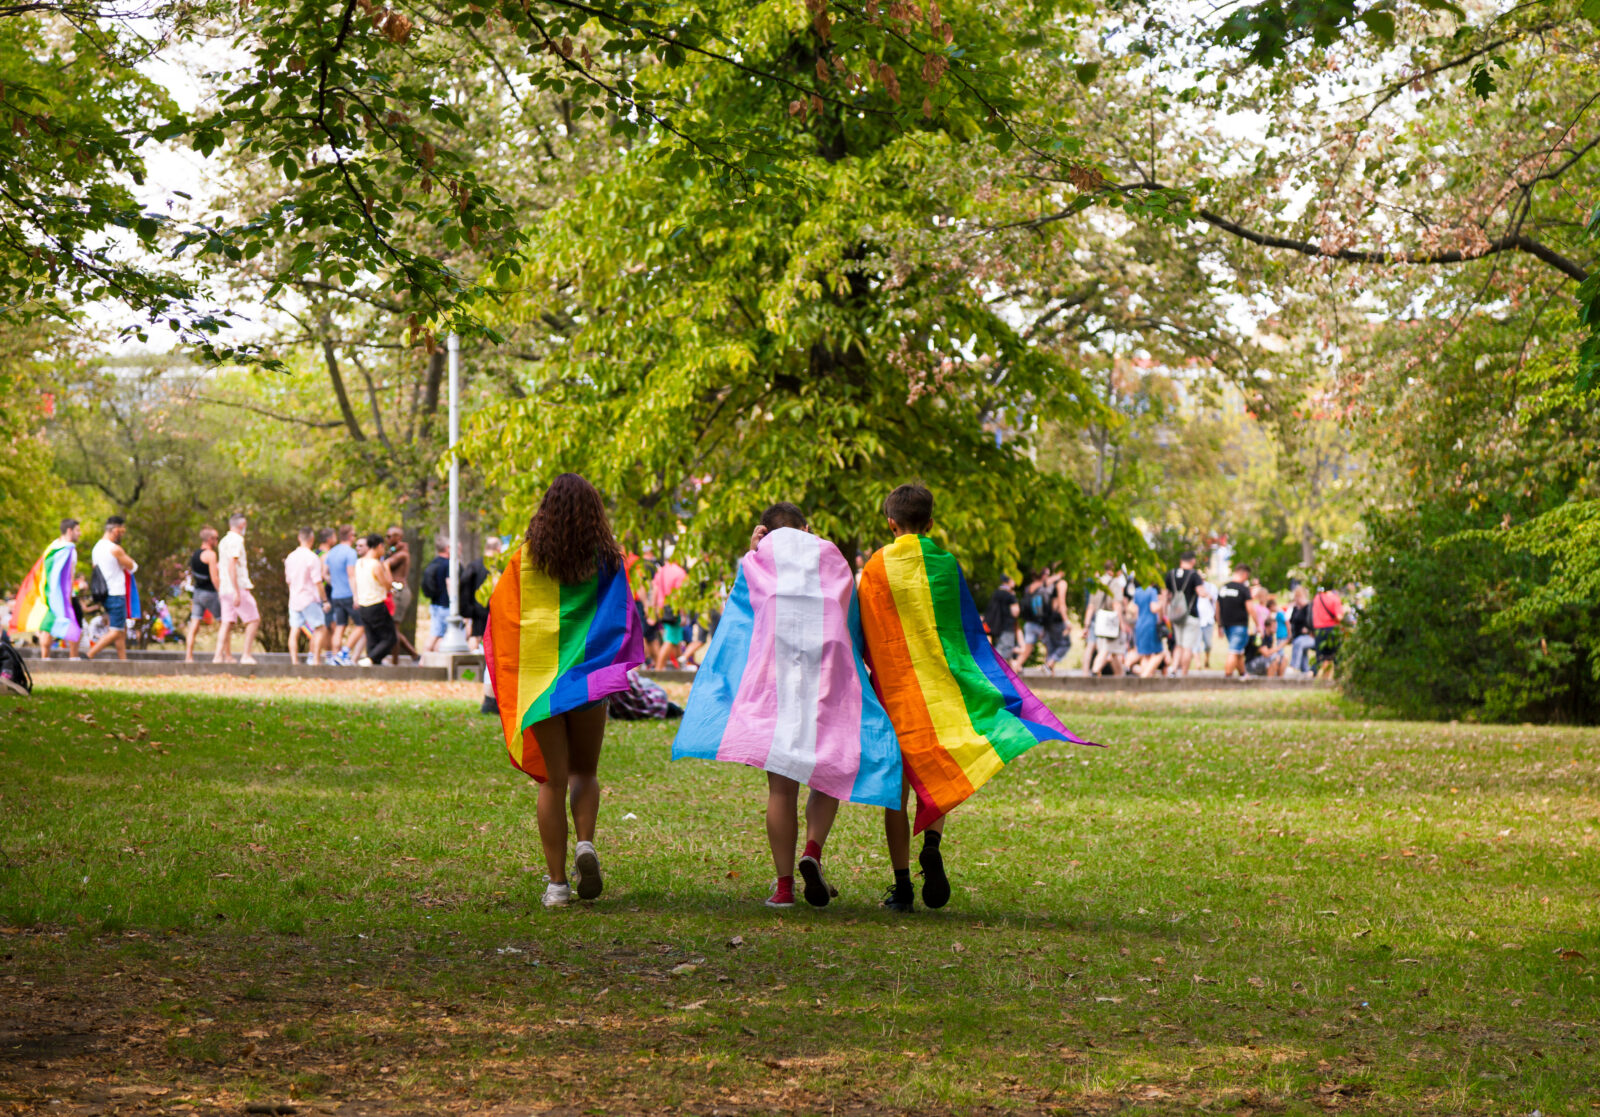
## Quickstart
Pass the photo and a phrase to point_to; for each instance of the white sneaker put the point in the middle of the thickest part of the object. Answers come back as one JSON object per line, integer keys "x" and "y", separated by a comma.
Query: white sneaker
{"x": 557, "y": 895}
{"x": 363, "y": 662}
{"x": 586, "y": 872}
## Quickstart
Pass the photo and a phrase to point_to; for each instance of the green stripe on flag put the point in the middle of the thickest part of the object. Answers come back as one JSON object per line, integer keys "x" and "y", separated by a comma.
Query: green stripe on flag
{"x": 986, "y": 707}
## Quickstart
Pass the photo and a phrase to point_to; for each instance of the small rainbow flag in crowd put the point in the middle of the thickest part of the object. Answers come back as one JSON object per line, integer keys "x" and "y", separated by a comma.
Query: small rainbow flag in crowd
{"x": 44, "y": 603}
{"x": 959, "y": 710}
{"x": 784, "y": 688}
{"x": 552, "y": 648}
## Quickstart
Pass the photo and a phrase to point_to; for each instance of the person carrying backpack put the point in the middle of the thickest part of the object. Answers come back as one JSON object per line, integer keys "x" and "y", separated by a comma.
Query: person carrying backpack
{"x": 1184, "y": 586}
{"x": 1032, "y": 609}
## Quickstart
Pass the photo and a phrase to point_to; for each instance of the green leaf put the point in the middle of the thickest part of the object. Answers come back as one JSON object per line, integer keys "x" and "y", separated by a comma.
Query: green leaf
{"x": 1086, "y": 72}
{"x": 1380, "y": 23}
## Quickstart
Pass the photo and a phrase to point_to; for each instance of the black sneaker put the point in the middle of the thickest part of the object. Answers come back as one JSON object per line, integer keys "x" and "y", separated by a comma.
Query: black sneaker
{"x": 817, "y": 890}
{"x": 490, "y": 706}
{"x": 935, "y": 885}
{"x": 896, "y": 900}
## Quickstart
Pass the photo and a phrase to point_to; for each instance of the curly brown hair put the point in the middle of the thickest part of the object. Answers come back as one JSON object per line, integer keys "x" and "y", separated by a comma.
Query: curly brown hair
{"x": 570, "y": 535}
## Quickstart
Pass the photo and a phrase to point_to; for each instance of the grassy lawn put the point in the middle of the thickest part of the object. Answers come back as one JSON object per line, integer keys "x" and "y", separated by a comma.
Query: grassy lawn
{"x": 1247, "y": 902}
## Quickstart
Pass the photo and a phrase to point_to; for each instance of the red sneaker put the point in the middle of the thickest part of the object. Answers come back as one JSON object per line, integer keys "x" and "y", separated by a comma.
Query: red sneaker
{"x": 783, "y": 895}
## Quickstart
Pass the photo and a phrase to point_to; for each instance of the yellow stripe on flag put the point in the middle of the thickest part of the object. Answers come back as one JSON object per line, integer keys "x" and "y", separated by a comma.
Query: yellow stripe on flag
{"x": 913, "y": 600}
{"x": 539, "y": 639}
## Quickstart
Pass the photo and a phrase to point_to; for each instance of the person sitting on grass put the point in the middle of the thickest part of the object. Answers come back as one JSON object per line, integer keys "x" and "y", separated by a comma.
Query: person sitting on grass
{"x": 959, "y": 711}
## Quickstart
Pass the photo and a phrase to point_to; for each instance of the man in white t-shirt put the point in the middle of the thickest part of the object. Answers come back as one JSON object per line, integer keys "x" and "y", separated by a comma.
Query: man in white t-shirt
{"x": 114, "y": 566}
{"x": 238, "y": 603}
{"x": 302, "y": 570}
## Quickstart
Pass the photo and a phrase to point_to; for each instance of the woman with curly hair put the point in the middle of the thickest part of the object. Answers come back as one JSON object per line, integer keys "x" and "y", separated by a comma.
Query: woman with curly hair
{"x": 562, "y": 636}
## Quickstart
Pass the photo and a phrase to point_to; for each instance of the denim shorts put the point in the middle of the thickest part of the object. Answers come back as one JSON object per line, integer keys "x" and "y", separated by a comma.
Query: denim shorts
{"x": 117, "y": 612}
{"x": 1238, "y": 636}
{"x": 1032, "y": 632}
{"x": 310, "y": 617}
{"x": 342, "y": 610}
{"x": 440, "y": 617}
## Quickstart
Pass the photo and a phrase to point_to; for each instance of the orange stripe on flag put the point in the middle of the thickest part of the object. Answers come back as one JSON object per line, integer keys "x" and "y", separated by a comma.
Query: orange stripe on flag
{"x": 939, "y": 781}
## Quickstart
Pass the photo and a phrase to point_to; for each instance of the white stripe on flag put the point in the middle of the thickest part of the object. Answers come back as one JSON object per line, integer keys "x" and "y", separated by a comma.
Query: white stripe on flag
{"x": 797, "y": 664}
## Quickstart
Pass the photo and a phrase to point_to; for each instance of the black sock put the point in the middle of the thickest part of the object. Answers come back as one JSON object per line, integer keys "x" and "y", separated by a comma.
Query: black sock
{"x": 930, "y": 839}
{"x": 902, "y": 880}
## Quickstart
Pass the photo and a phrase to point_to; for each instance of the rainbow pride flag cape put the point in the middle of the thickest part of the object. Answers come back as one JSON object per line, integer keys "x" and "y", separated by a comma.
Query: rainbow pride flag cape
{"x": 44, "y": 603}
{"x": 783, "y": 686}
{"x": 551, "y": 648}
{"x": 959, "y": 710}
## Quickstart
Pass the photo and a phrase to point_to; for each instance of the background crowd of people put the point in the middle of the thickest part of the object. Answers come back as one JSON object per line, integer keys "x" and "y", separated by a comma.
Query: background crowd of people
{"x": 345, "y": 591}
{"x": 1160, "y": 628}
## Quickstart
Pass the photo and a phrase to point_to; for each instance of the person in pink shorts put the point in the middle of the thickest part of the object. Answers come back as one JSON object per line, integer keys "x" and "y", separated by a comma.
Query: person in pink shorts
{"x": 238, "y": 603}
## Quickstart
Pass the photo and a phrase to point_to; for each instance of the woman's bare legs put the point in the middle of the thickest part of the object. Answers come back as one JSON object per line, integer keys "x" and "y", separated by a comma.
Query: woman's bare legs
{"x": 570, "y": 745}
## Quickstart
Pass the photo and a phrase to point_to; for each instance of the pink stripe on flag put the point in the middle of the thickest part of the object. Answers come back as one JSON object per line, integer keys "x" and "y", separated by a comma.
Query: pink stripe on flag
{"x": 839, "y": 695}
{"x": 753, "y": 720}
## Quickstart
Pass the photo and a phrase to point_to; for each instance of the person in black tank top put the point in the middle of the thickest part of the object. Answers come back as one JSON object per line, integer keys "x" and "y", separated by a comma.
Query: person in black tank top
{"x": 200, "y": 571}
{"x": 204, "y": 598}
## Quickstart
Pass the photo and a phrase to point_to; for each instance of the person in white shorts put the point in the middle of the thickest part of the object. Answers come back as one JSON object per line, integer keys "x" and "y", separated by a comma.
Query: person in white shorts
{"x": 1186, "y": 632}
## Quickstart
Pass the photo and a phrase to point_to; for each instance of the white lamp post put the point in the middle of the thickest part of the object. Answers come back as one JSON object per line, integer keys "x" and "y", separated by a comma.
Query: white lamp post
{"x": 455, "y": 637}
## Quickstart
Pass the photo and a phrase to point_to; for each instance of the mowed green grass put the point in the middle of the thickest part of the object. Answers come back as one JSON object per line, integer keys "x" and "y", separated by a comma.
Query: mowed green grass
{"x": 1246, "y": 900}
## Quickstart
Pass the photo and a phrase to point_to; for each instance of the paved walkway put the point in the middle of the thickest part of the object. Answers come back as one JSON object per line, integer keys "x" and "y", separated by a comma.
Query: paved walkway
{"x": 157, "y": 663}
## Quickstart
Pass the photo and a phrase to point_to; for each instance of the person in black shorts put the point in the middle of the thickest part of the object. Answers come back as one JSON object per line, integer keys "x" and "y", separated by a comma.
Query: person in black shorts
{"x": 203, "y": 598}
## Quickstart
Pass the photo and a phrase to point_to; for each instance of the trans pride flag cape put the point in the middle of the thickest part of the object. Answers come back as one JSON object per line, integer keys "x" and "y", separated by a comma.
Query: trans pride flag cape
{"x": 960, "y": 712}
{"x": 44, "y": 603}
{"x": 552, "y": 648}
{"x": 783, "y": 686}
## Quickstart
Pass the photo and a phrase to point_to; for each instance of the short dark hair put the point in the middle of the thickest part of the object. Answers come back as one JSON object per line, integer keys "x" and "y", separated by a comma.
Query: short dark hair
{"x": 68, "y": 524}
{"x": 114, "y": 521}
{"x": 784, "y": 514}
{"x": 374, "y": 540}
{"x": 1187, "y": 556}
{"x": 1243, "y": 569}
{"x": 910, "y": 506}
{"x": 324, "y": 534}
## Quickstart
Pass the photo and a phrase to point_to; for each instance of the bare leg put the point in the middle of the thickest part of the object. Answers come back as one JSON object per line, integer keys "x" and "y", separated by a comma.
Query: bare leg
{"x": 117, "y": 636}
{"x": 783, "y": 796}
{"x": 44, "y": 645}
{"x": 188, "y": 639}
{"x": 224, "y": 642}
{"x": 249, "y": 642}
{"x": 821, "y": 810}
{"x": 897, "y": 832}
{"x": 552, "y": 808}
{"x": 586, "y": 730}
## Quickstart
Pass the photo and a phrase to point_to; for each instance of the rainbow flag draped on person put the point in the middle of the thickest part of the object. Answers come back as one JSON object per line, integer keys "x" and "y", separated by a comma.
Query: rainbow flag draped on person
{"x": 552, "y": 648}
{"x": 783, "y": 687}
{"x": 960, "y": 712}
{"x": 44, "y": 602}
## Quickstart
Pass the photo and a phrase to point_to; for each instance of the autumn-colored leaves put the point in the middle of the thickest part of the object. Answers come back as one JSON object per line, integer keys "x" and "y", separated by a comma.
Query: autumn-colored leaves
{"x": 900, "y": 17}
